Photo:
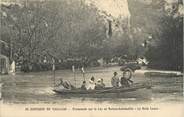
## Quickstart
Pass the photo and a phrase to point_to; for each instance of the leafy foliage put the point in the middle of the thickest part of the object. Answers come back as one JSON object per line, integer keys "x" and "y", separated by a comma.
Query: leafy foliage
{"x": 168, "y": 52}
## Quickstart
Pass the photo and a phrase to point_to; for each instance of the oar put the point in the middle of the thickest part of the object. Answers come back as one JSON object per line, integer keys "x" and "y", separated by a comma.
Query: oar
{"x": 73, "y": 69}
{"x": 83, "y": 73}
{"x": 130, "y": 80}
{"x": 53, "y": 69}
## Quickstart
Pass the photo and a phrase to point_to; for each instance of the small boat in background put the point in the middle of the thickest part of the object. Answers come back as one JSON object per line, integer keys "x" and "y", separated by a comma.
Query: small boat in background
{"x": 163, "y": 74}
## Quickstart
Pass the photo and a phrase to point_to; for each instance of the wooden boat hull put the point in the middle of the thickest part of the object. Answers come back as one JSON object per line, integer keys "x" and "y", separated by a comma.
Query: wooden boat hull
{"x": 135, "y": 91}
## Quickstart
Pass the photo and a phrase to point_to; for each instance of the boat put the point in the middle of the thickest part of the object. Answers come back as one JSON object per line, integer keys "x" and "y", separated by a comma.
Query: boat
{"x": 163, "y": 74}
{"x": 136, "y": 90}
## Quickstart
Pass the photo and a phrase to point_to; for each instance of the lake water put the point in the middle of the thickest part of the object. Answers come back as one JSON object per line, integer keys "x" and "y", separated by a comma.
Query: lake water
{"x": 37, "y": 87}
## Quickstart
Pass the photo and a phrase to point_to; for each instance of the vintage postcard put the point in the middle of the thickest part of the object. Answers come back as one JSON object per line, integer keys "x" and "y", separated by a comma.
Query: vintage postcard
{"x": 91, "y": 58}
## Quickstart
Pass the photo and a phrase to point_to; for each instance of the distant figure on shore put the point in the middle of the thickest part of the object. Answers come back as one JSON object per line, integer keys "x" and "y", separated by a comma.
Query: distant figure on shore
{"x": 12, "y": 67}
{"x": 115, "y": 80}
{"x": 99, "y": 84}
{"x": 91, "y": 85}
{"x": 83, "y": 86}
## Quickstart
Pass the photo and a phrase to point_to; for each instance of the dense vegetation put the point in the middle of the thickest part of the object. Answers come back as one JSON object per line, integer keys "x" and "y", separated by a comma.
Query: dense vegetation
{"x": 71, "y": 30}
{"x": 167, "y": 50}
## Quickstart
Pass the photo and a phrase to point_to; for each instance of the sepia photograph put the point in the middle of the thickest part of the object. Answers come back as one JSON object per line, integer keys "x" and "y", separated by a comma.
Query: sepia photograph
{"x": 91, "y": 58}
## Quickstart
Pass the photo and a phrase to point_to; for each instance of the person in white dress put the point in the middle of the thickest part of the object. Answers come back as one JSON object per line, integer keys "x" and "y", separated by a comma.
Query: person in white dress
{"x": 91, "y": 85}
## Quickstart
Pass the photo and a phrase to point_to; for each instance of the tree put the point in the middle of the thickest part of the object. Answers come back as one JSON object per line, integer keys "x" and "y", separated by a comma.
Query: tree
{"x": 168, "y": 52}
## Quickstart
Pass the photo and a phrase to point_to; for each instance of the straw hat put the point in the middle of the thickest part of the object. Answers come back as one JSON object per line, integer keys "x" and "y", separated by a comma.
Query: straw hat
{"x": 99, "y": 80}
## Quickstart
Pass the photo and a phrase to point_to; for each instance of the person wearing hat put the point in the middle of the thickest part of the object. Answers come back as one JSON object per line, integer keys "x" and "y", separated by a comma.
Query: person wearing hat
{"x": 115, "y": 80}
{"x": 83, "y": 86}
{"x": 99, "y": 84}
{"x": 125, "y": 79}
{"x": 65, "y": 85}
{"x": 102, "y": 83}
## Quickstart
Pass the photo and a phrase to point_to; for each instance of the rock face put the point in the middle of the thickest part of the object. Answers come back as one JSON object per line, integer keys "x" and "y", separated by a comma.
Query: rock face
{"x": 141, "y": 15}
{"x": 115, "y": 8}
{"x": 115, "y": 13}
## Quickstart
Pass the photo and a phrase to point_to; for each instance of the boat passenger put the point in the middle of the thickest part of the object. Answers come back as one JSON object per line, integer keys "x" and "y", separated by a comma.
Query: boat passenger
{"x": 125, "y": 79}
{"x": 66, "y": 84}
{"x": 91, "y": 85}
{"x": 99, "y": 84}
{"x": 83, "y": 86}
{"x": 124, "y": 82}
{"x": 102, "y": 83}
{"x": 115, "y": 80}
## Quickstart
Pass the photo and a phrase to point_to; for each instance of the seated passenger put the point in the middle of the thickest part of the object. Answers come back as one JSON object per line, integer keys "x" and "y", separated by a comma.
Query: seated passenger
{"x": 103, "y": 85}
{"x": 99, "y": 84}
{"x": 125, "y": 79}
{"x": 115, "y": 80}
{"x": 124, "y": 82}
{"x": 91, "y": 85}
{"x": 83, "y": 86}
{"x": 66, "y": 84}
